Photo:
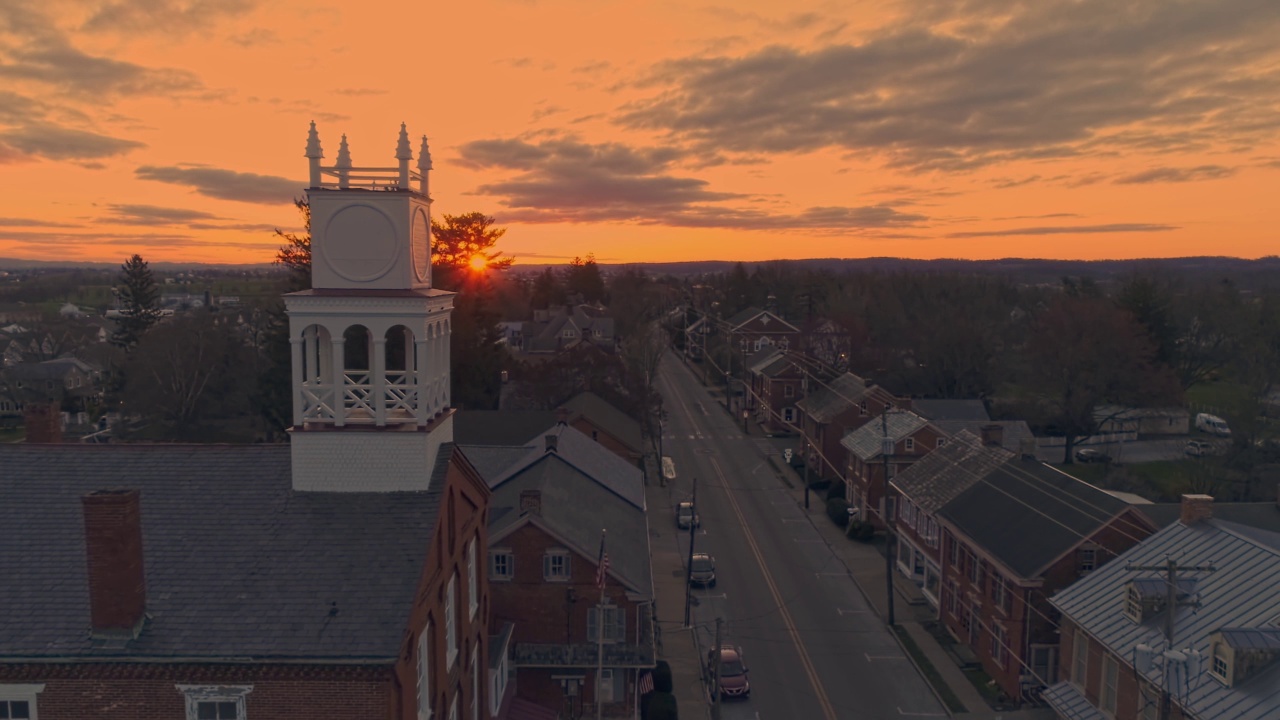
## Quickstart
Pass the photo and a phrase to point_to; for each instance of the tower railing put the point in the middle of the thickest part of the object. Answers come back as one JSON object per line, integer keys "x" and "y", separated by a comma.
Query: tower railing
{"x": 366, "y": 178}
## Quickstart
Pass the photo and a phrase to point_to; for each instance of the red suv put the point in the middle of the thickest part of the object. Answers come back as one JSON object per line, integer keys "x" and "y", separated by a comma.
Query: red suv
{"x": 733, "y": 671}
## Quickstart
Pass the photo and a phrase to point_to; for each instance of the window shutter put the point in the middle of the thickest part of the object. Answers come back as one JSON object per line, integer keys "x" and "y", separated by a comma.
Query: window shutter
{"x": 620, "y": 625}
{"x": 592, "y": 624}
{"x": 546, "y": 566}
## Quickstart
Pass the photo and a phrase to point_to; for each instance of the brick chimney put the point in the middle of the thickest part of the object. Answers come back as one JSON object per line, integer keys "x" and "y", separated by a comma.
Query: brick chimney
{"x": 1196, "y": 508}
{"x": 113, "y": 540}
{"x": 43, "y": 421}
{"x": 531, "y": 502}
{"x": 992, "y": 435}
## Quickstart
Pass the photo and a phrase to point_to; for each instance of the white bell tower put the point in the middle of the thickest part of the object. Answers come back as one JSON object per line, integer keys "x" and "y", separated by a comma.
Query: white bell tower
{"x": 370, "y": 339}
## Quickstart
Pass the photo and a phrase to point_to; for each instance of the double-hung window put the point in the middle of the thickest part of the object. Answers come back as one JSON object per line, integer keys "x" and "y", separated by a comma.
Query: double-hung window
{"x": 1110, "y": 683}
{"x": 473, "y": 602}
{"x": 214, "y": 702}
{"x": 451, "y": 622}
{"x": 425, "y": 709}
{"x": 1080, "y": 659}
{"x": 555, "y": 566}
{"x": 502, "y": 564}
{"x": 615, "y": 624}
{"x": 18, "y": 702}
{"x": 999, "y": 644}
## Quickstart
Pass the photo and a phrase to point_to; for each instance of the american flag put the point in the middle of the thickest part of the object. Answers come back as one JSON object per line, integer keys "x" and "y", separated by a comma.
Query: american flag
{"x": 645, "y": 685}
{"x": 602, "y": 563}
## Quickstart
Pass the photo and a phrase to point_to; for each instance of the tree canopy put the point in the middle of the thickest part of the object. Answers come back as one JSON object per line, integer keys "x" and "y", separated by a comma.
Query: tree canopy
{"x": 139, "y": 302}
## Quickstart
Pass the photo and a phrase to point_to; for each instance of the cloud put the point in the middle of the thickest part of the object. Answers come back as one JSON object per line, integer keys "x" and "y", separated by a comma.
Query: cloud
{"x": 225, "y": 184}
{"x": 164, "y": 16}
{"x": 154, "y": 215}
{"x": 937, "y": 90}
{"x": 563, "y": 180}
{"x": 32, "y": 222}
{"x": 359, "y": 92}
{"x": 1066, "y": 230}
{"x": 256, "y": 37}
{"x": 59, "y": 143}
{"x": 1173, "y": 174}
{"x": 55, "y": 62}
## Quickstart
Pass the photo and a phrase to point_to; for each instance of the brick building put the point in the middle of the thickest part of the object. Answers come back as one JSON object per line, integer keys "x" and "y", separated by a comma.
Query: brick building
{"x": 775, "y": 381}
{"x": 912, "y": 437}
{"x": 336, "y": 577}
{"x": 551, "y": 500}
{"x": 833, "y": 408}
{"x": 594, "y": 416}
{"x": 1006, "y": 532}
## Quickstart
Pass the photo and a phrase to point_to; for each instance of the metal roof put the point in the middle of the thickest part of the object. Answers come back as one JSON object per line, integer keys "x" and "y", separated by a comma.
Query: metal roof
{"x": 834, "y": 397}
{"x": 1071, "y": 704}
{"x": 933, "y": 480}
{"x": 866, "y": 441}
{"x": 1251, "y": 638}
{"x": 1242, "y": 592}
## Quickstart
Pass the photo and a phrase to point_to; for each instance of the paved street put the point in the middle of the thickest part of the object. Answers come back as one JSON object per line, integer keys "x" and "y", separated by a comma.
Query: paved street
{"x": 814, "y": 647}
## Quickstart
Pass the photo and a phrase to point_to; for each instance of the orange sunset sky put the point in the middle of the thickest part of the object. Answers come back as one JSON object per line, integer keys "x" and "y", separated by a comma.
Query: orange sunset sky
{"x": 653, "y": 131}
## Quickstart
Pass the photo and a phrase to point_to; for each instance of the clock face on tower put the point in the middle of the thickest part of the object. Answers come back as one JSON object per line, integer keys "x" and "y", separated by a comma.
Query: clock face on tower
{"x": 360, "y": 243}
{"x": 420, "y": 237}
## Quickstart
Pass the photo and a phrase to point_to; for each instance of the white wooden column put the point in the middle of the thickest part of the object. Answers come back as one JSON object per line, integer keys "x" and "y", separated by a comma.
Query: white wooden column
{"x": 339, "y": 381}
{"x": 378, "y": 380}
{"x": 298, "y": 380}
{"x": 421, "y": 382}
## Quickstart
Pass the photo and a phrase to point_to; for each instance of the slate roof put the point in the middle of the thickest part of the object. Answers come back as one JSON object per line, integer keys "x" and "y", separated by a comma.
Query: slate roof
{"x": 1015, "y": 431}
{"x": 1008, "y": 513}
{"x": 937, "y": 410}
{"x": 834, "y": 397}
{"x": 779, "y": 366}
{"x": 547, "y": 336}
{"x": 584, "y": 488}
{"x": 500, "y": 427}
{"x": 1242, "y": 592}
{"x": 609, "y": 418}
{"x": 938, "y": 477}
{"x": 238, "y": 564}
{"x": 865, "y": 442}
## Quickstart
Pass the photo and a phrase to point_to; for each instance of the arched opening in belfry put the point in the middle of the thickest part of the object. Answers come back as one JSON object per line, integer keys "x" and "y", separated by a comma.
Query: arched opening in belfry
{"x": 399, "y": 349}
{"x": 316, "y": 393}
{"x": 356, "y": 351}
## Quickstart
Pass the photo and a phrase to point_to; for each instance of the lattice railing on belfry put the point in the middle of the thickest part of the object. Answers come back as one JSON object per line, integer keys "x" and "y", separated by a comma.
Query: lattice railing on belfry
{"x": 401, "y": 396}
{"x": 357, "y": 397}
{"x": 317, "y": 402}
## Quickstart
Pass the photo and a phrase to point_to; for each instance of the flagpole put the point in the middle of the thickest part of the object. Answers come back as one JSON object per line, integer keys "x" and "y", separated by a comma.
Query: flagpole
{"x": 600, "y": 631}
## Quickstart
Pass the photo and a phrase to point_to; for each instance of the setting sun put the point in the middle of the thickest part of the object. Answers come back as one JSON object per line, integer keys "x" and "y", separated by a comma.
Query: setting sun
{"x": 478, "y": 262}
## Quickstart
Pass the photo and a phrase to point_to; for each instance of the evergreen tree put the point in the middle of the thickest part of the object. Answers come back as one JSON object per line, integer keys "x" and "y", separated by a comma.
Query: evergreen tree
{"x": 584, "y": 279}
{"x": 295, "y": 254}
{"x": 461, "y": 243}
{"x": 139, "y": 302}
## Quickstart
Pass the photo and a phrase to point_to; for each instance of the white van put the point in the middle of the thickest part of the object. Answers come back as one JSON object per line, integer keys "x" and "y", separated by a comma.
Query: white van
{"x": 1212, "y": 424}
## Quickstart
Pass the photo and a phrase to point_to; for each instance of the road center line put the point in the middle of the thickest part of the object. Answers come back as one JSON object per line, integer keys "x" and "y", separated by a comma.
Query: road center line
{"x": 827, "y": 710}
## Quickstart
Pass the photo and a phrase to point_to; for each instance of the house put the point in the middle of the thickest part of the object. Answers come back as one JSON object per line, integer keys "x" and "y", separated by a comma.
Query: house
{"x": 64, "y": 380}
{"x": 830, "y": 410}
{"x": 912, "y": 437}
{"x": 595, "y": 417}
{"x": 829, "y": 343}
{"x": 551, "y": 500}
{"x": 1132, "y": 422}
{"x": 948, "y": 409}
{"x": 1223, "y": 659}
{"x": 1012, "y": 435}
{"x": 754, "y": 328}
{"x": 776, "y": 382}
{"x": 561, "y": 327}
{"x": 335, "y": 577}
{"x": 695, "y": 337}
{"x": 1007, "y": 531}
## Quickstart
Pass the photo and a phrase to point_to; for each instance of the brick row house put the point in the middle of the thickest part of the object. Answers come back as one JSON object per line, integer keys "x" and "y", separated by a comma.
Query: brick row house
{"x": 833, "y": 408}
{"x": 912, "y": 437}
{"x": 750, "y": 330}
{"x": 551, "y": 500}
{"x": 990, "y": 535}
{"x": 1225, "y": 659}
{"x": 775, "y": 381}
{"x": 338, "y": 576}
{"x": 594, "y": 416}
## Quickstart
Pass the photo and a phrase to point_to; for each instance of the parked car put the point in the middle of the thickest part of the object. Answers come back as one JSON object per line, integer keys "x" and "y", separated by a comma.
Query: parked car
{"x": 702, "y": 571}
{"x": 1198, "y": 448}
{"x": 734, "y": 681}
{"x": 687, "y": 516}
{"x": 1212, "y": 424}
{"x": 1087, "y": 455}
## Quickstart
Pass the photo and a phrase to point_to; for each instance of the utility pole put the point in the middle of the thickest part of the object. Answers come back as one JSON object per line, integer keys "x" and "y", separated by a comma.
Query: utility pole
{"x": 744, "y": 386}
{"x": 688, "y": 576}
{"x": 715, "y": 680}
{"x": 804, "y": 439}
{"x": 1170, "y": 568}
{"x": 886, "y": 449}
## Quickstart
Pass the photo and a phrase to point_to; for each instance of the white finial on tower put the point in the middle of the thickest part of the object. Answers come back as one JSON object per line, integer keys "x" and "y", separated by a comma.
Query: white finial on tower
{"x": 314, "y": 154}
{"x": 424, "y": 166}
{"x": 343, "y": 163}
{"x": 404, "y": 154}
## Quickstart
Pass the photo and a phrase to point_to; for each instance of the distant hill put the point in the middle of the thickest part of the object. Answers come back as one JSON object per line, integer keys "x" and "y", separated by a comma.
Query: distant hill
{"x": 16, "y": 264}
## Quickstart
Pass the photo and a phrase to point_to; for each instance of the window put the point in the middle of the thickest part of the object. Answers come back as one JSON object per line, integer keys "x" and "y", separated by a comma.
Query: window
{"x": 941, "y": 442}
{"x": 475, "y": 685}
{"x": 595, "y": 434}
{"x": 555, "y": 566}
{"x": 615, "y": 624}
{"x": 18, "y": 702}
{"x": 789, "y": 415}
{"x": 909, "y": 444}
{"x": 788, "y": 391}
{"x": 1079, "y": 658}
{"x": 954, "y": 552}
{"x": 1086, "y": 559}
{"x": 1000, "y": 593}
{"x": 999, "y": 644}
{"x": 606, "y": 685}
{"x": 862, "y": 408}
{"x": 451, "y": 622}
{"x": 973, "y": 567}
{"x": 215, "y": 702}
{"x": 1110, "y": 679}
{"x": 953, "y": 598}
{"x": 425, "y": 710}
{"x": 1219, "y": 668}
{"x": 473, "y": 587}
{"x": 502, "y": 564}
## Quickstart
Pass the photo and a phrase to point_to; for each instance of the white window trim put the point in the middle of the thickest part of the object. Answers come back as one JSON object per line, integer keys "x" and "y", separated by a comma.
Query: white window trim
{"x": 473, "y": 585}
{"x": 511, "y": 565}
{"x": 196, "y": 694}
{"x": 23, "y": 693}
{"x": 1110, "y": 678}
{"x": 425, "y": 709}
{"x": 451, "y": 622}
{"x": 475, "y": 683}
{"x": 568, "y": 571}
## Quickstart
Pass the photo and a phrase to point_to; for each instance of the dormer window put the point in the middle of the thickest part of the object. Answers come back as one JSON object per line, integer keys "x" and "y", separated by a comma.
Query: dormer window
{"x": 1147, "y": 597}
{"x": 1240, "y": 653}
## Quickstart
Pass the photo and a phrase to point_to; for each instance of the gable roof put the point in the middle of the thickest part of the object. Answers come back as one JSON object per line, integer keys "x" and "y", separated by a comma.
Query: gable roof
{"x": 573, "y": 450}
{"x": 1013, "y": 432}
{"x": 834, "y": 397}
{"x": 866, "y": 442}
{"x": 608, "y": 418}
{"x": 1242, "y": 592}
{"x": 237, "y": 563}
{"x": 737, "y": 320}
{"x": 937, "y": 410}
{"x": 1261, "y": 515}
{"x": 762, "y": 358}
{"x": 935, "y": 479}
{"x": 1027, "y": 514}
{"x": 500, "y": 427}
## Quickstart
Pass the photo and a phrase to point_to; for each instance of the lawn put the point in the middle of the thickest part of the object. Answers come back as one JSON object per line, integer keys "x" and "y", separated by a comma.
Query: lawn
{"x": 930, "y": 673}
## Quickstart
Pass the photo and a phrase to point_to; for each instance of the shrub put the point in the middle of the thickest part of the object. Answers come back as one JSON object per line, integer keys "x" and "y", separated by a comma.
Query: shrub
{"x": 861, "y": 531}
{"x": 838, "y": 511}
{"x": 836, "y": 490}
